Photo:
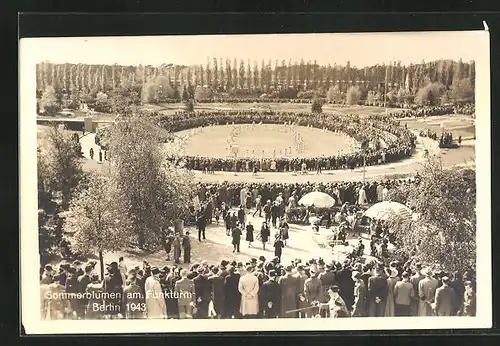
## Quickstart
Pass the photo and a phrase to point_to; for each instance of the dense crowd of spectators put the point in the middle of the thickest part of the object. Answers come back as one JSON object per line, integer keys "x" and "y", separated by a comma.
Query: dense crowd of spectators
{"x": 427, "y": 111}
{"x": 390, "y": 142}
{"x": 259, "y": 288}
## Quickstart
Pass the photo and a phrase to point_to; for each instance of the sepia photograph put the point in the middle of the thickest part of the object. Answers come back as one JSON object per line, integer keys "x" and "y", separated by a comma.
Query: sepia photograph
{"x": 255, "y": 182}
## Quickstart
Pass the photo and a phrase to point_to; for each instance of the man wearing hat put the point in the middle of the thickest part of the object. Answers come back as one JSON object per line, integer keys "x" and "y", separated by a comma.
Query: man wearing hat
{"x": 223, "y": 269}
{"x": 426, "y": 293}
{"x": 404, "y": 295}
{"x": 265, "y": 233}
{"x": 236, "y": 235}
{"x": 133, "y": 299}
{"x": 184, "y": 290}
{"x": 301, "y": 278}
{"x": 289, "y": 292}
{"x": 113, "y": 284}
{"x": 78, "y": 266}
{"x": 271, "y": 296}
{"x": 155, "y": 301}
{"x": 313, "y": 290}
{"x": 203, "y": 291}
{"x": 377, "y": 293}
{"x": 217, "y": 282}
{"x": 415, "y": 280}
{"x": 444, "y": 301}
{"x": 232, "y": 295}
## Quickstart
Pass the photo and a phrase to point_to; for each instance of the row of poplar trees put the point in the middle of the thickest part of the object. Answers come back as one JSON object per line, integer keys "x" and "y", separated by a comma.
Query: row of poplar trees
{"x": 229, "y": 75}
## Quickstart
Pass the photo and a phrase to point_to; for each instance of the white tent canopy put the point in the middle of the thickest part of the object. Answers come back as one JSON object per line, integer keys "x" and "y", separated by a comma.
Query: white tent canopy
{"x": 317, "y": 199}
{"x": 389, "y": 211}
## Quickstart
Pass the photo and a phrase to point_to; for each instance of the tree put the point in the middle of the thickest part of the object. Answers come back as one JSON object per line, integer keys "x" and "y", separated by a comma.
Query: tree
{"x": 189, "y": 105}
{"x": 462, "y": 90}
{"x": 353, "y": 95}
{"x": 202, "y": 93}
{"x": 97, "y": 218}
{"x": 333, "y": 95}
{"x": 317, "y": 106}
{"x": 49, "y": 103}
{"x": 62, "y": 157}
{"x": 445, "y": 231}
{"x": 430, "y": 94}
{"x": 156, "y": 191}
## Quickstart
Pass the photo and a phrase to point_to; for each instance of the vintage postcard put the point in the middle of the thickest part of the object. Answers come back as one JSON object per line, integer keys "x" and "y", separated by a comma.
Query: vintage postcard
{"x": 255, "y": 182}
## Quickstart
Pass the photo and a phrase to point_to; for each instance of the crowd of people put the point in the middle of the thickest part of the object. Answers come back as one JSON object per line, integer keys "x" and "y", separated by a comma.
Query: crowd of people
{"x": 355, "y": 286}
{"x": 389, "y": 142}
{"x": 232, "y": 194}
{"x": 259, "y": 288}
{"x": 427, "y": 111}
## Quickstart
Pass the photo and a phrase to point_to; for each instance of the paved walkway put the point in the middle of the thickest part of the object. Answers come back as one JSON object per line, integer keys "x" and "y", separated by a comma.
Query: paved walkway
{"x": 302, "y": 244}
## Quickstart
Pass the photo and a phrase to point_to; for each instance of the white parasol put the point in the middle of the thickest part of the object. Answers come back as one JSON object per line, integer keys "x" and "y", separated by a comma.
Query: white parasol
{"x": 317, "y": 199}
{"x": 388, "y": 211}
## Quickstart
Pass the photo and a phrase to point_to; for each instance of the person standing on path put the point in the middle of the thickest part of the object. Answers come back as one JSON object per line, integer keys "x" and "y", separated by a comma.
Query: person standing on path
{"x": 186, "y": 246}
{"x": 278, "y": 247}
{"x": 265, "y": 233}
{"x": 258, "y": 206}
{"x": 249, "y": 235}
{"x": 100, "y": 155}
{"x": 177, "y": 249}
{"x": 91, "y": 153}
{"x": 241, "y": 217}
{"x": 201, "y": 223}
{"x": 236, "y": 234}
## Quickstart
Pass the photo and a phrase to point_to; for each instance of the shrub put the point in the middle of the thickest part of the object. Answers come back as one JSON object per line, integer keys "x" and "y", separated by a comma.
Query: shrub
{"x": 353, "y": 95}
{"x": 317, "y": 106}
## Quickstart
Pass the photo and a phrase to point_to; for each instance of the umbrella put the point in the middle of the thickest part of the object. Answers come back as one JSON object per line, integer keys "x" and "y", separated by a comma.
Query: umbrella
{"x": 388, "y": 211}
{"x": 317, "y": 199}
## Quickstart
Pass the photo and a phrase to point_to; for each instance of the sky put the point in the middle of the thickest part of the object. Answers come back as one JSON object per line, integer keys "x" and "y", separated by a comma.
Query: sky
{"x": 360, "y": 49}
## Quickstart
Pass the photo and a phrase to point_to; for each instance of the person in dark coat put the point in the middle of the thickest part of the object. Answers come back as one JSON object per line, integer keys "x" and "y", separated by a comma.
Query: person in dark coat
{"x": 457, "y": 284}
{"x": 284, "y": 232}
{"x": 346, "y": 285}
{"x": 177, "y": 248}
{"x": 378, "y": 290}
{"x": 232, "y": 296}
{"x": 289, "y": 292}
{"x": 171, "y": 301}
{"x": 186, "y": 246}
{"x": 100, "y": 156}
{"x": 227, "y": 222}
{"x": 201, "y": 223}
{"x": 249, "y": 233}
{"x": 241, "y": 217}
{"x": 265, "y": 233}
{"x": 113, "y": 284}
{"x": 271, "y": 296}
{"x": 236, "y": 234}
{"x": 217, "y": 292}
{"x": 359, "y": 307}
{"x": 91, "y": 152}
{"x": 203, "y": 292}
{"x": 278, "y": 247}
{"x": 72, "y": 286}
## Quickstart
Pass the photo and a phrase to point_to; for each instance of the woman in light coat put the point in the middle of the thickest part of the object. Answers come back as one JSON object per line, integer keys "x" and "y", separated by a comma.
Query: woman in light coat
{"x": 155, "y": 301}
{"x": 249, "y": 289}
